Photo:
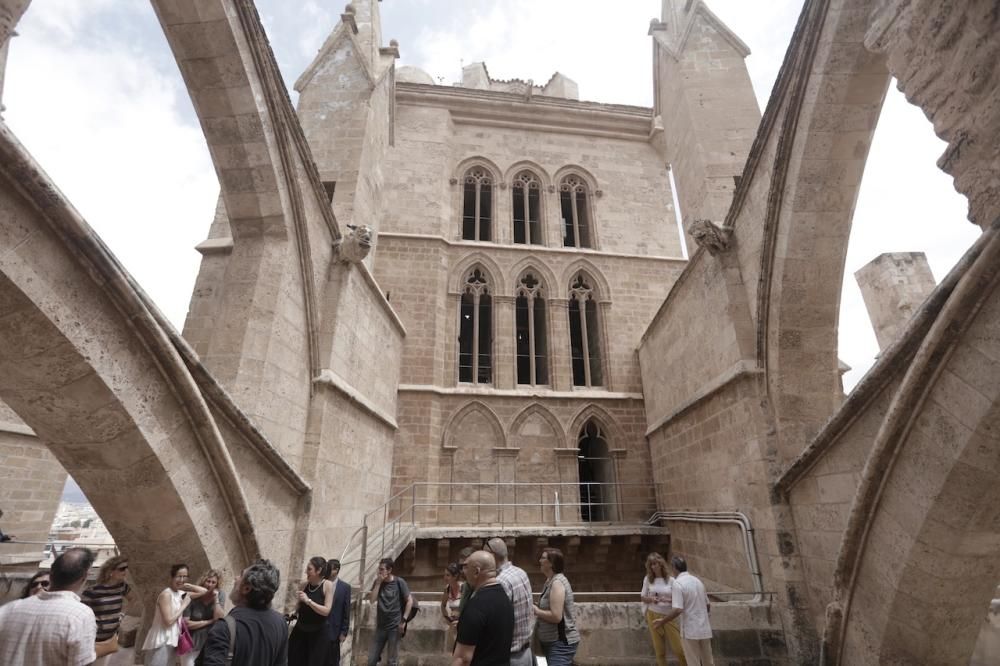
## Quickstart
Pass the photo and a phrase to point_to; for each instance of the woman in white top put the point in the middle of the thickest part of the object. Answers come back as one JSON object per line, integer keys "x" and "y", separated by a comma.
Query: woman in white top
{"x": 161, "y": 642}
{"x": 657, "y": 589}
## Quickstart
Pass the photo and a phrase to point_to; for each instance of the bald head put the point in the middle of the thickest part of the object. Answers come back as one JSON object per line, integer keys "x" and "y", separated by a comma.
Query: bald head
{"x": 480, "y": 568}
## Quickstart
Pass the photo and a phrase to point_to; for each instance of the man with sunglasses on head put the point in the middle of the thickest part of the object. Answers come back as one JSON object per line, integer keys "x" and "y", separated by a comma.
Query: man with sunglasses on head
{"x": 52, "y": 627}
{"x": 515, "y": 583}
{"x": 486, "y": 627}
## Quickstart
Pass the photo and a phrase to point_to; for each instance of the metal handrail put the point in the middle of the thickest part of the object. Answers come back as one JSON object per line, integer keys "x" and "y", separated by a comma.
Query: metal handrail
{"x": 723, "y": 517}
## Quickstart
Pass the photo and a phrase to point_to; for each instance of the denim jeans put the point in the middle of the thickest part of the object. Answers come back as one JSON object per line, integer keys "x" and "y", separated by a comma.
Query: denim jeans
{"x": 381, "y": 637}
{"x": 560, "y": 653}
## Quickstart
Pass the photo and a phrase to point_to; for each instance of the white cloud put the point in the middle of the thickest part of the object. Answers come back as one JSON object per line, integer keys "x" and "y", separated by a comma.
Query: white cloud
{"x": 110, "y": 130}
{"x": 105, "y": 113}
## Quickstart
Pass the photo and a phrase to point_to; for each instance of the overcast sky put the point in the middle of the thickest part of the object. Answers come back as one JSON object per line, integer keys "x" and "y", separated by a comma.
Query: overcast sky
{"x": 94, "y": 93}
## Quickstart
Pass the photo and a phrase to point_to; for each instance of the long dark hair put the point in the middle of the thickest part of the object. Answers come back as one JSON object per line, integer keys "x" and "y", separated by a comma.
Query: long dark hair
{"x": 26, "y": 592}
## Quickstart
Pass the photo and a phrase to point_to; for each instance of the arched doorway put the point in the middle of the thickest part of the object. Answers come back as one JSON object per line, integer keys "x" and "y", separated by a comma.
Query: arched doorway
{"x": 598, "y": 499}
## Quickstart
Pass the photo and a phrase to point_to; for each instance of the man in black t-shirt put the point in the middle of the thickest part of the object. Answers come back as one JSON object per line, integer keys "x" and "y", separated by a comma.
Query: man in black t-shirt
{"x": 261, "y": 633}
{"x": 486, "y": 628}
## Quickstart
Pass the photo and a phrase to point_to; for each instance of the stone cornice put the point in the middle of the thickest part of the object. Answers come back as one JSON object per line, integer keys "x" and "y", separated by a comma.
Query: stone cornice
{"x": 540, "y": 113}
{"x": 533, "y": 393}
{"x": 583, "y": 252}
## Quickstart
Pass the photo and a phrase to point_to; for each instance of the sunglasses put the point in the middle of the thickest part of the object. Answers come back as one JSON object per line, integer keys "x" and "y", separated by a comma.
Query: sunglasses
{"x": 123, "y": 567}
{"x": 40, "y": 583}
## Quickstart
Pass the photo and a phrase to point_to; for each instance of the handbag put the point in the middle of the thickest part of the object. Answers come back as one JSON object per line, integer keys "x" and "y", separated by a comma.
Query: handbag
{"x": 184, "y": 641}
{"x": 110, "y": 646}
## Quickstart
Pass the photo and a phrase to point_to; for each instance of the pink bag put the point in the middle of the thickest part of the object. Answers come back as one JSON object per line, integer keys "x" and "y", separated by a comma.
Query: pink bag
{"x": 184, "y": 642}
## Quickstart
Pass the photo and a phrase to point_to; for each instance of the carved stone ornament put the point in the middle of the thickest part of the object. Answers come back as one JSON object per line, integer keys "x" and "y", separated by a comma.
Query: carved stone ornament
{"x": 552, "y": 188}
{"x": 453, "y": 181}
{"x": 710, "y": 236}
{"x": 356, "y": 245}
{"x": 503, "y": 185}
{"x": 598, "y": 193}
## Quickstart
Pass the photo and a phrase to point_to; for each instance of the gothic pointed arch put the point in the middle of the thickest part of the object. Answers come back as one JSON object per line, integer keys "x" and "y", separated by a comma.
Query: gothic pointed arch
{"x": 542, "y": 413}
{"x": 477, "y": 179}
{"x": 531, "y": 329}
{"x": 584, "y": 265}
{"x": 493, "y": 271}
{"x": 452, "y": 429}
{"x": 587, "y": 339}
{"x": 600, "y": 415}
{"x": 527, "y": 165}
{"x": 476, "y": 329}
{"x": 541, "y": 269}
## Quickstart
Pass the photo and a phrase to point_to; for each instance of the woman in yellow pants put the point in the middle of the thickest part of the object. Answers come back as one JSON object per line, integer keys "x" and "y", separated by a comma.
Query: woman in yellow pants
{"x": 657, "y": 588}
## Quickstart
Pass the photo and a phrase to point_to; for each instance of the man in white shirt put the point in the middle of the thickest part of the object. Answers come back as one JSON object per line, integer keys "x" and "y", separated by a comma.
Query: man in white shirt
{"x": 690, "y": 603}
{"x": 52, "y": 627}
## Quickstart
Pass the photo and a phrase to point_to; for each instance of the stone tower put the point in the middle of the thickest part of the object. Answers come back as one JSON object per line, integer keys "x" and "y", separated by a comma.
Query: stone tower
{"x": 705, "y": 102}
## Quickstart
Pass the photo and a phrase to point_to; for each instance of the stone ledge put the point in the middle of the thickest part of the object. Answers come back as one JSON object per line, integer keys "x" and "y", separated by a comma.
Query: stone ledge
{"x": 518, "y": 393}
{"x": 16, "y": 429}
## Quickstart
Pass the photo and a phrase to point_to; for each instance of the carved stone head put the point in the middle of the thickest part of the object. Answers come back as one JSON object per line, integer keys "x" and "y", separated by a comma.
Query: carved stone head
{"x": 357, "y": 243}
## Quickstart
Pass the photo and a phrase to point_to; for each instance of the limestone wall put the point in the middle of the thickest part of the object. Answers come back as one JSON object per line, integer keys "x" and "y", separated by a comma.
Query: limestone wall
{"x": 614, "y": 634}
{"x": 468, "y": 437}
{"x": 31, "y": 483}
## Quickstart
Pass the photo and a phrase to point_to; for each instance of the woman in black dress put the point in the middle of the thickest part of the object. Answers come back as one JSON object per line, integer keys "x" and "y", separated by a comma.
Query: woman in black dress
{"x": 308, "y": 643}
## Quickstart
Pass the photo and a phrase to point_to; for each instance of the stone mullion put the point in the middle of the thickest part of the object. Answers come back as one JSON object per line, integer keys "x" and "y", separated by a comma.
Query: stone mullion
{"x": 503, "y": 224}
{"x": 505, "y": 377}
{"x": 553, "y": 218}
{"x": 560, "y": 368}
{"x": 531, "y": 340}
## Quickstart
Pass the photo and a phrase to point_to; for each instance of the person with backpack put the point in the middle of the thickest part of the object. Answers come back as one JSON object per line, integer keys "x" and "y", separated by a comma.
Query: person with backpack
{"x": 394, "y": 603}
{"x": 252, "y": 634}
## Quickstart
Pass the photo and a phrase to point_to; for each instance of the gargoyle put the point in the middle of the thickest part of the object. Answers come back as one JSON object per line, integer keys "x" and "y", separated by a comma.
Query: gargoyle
{"x": 710, "y": 236}
{"x": 356, "y": 245}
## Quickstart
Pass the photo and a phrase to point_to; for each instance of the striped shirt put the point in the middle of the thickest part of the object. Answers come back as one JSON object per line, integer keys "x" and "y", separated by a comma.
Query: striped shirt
{"x": 515, "y": 583}
{"x": 47, "y": 629}
{"x": 106, "y": 601}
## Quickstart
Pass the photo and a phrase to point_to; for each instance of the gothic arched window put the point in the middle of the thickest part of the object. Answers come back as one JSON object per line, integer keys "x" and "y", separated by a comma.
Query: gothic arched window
{"x": 526, "y": 193}
{"x": 475, "y": 330}
{"x": 584, "y": 333}
{"x": 477, "y": 204}
{"x": 531, "y": 340}
{"x": 574, "y": 204}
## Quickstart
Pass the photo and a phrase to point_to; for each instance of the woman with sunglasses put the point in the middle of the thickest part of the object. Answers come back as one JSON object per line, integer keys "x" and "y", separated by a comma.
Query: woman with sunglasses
{"x": 107, "y": 598}
{"x": 38, "y": 582}
{"x": 160, "y": 646}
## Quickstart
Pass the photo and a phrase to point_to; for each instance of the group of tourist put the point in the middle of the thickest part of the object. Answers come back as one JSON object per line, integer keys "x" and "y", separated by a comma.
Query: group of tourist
{"x": 60, "y": 620}
{"x": 487, "y": 604}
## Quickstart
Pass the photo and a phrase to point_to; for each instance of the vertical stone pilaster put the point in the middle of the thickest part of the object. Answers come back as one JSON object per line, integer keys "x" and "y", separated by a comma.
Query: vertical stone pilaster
{"x": 503, "y": 342}
{"x": 559, "y": 351}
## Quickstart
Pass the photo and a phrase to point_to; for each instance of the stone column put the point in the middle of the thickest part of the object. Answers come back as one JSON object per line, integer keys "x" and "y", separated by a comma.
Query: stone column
{"x": 893, "y": 286}
{"x": 503, "y": 342}
{"x": 553, "y": 217}
{"x": 503, "y": 223}
{"x": 560, "y": 369}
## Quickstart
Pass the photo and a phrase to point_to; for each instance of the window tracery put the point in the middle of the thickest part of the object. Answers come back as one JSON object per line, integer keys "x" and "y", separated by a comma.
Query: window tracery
{"x": 584, "y": 333}
{"x": 530, "y": 332}
{"x": 477, "y": 204}
{"x": 475, "y": 330}
{"x": 574, "y": 204}
{"x": 526, "y": 203}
